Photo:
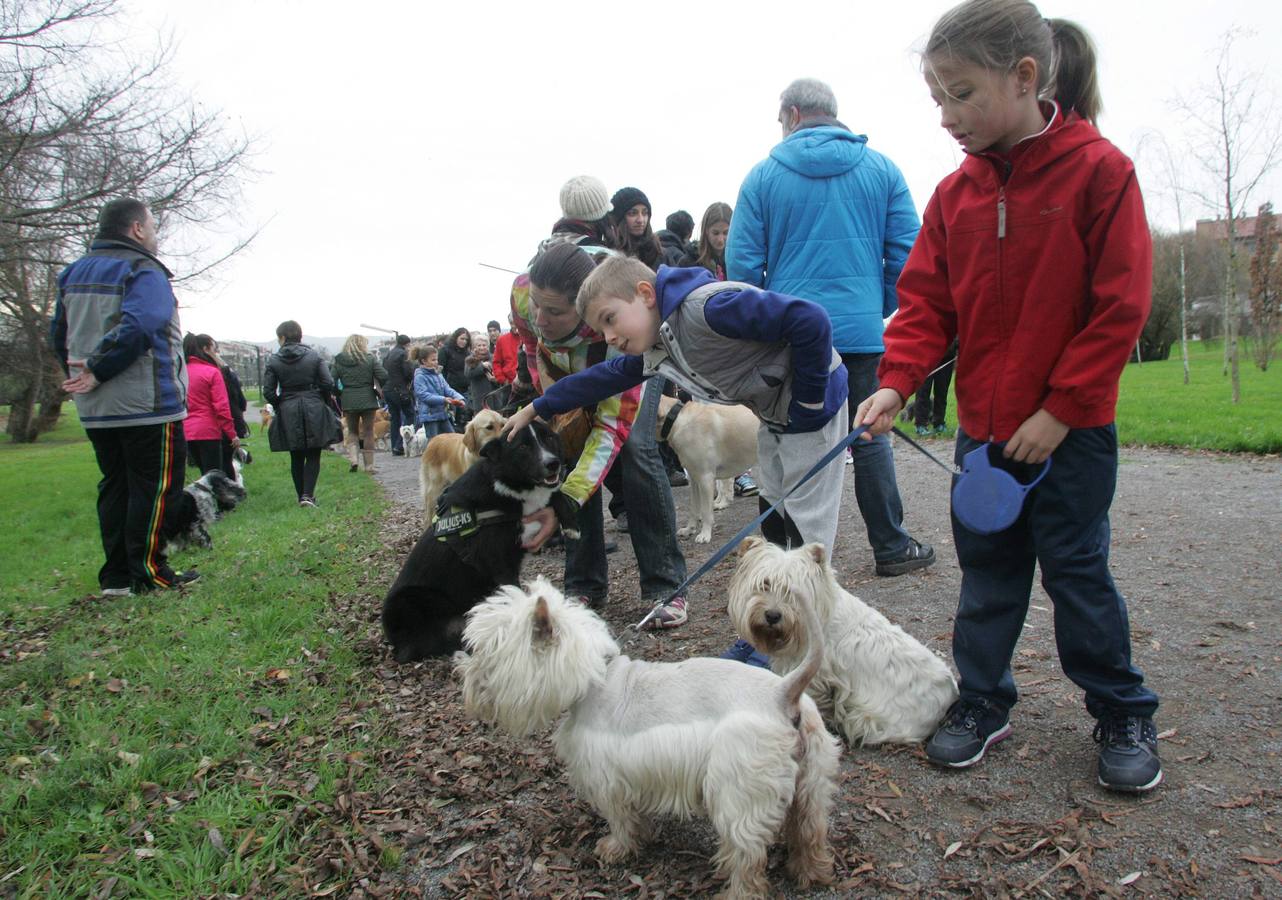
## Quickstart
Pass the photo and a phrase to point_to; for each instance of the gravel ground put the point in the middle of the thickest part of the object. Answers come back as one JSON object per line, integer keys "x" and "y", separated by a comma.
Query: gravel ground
{"x": 1196, "y": 539}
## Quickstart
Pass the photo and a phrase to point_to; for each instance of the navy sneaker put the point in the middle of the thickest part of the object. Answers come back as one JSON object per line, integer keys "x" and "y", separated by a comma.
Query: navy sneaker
{"x": 969, "y": 729}
{"x": 1128, "y": 759}
{"x": 744, "y": 486}
{"x": 742, "y": 651}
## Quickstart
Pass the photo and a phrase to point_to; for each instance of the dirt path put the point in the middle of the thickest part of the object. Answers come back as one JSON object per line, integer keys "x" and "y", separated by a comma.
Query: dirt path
{"x": 1196, "y": 540}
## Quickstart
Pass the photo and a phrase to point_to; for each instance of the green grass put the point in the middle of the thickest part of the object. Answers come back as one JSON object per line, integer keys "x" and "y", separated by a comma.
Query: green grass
{"x": 1157, "y": 408}
{"x": 131, "y": 728}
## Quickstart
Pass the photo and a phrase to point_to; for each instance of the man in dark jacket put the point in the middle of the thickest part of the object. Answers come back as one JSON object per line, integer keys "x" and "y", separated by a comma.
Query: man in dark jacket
{"x": 675, "y": 237}
{"x": 400, "y": 402}
{"x": 116, "y": 331}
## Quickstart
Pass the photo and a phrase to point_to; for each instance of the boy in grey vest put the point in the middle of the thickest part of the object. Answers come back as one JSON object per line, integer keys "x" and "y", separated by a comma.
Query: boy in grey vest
{"x": 724, "y": 342}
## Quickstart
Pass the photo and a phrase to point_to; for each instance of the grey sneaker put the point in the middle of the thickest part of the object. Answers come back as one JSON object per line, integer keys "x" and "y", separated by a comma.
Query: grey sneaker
{"x": 968, "y": 730}
{"x": 116, "y": 592}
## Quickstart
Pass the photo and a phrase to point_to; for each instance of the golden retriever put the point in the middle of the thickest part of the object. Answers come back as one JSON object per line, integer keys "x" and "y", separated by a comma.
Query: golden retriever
{"x": 450, "y": 455}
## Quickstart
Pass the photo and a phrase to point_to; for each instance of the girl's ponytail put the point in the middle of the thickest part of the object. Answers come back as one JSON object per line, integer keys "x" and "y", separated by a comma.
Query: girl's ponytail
{"x": 1076, "y": 84}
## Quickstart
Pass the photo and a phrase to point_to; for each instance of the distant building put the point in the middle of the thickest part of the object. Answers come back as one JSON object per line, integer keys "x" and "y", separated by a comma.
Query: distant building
{"x": 1217, "y": 229}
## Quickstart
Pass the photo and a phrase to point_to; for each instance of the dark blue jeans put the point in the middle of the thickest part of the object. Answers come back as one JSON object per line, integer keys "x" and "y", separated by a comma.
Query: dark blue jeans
{"x": 652, "y": 518}
{"x": 1064, "y": 528}
{"x": 876, "y": 491}
{"x": 402, "y": 412}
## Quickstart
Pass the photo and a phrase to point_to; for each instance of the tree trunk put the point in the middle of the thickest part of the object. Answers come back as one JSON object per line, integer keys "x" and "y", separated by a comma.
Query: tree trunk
{"x": 1230, "y": 336}
{"x": 20, "y": 412}
{"x": 1184, "y": 325}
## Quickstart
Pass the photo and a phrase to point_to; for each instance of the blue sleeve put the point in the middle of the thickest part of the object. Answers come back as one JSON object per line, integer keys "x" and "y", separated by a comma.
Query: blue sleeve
{"x": 765, "y": 316}
{"x": 147, "y": 306}
{"x": 902, "y": 226}
{"x": 424, "y": 391}
{"x": 591, "y": 385}
{"x": 58, "y": 333}
{"x": 746, "y": 244}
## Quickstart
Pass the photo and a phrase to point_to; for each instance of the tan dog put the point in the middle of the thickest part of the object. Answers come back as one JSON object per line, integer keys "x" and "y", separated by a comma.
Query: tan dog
{"x": 714, "y": 442}
{"x": 450, "y": 455}
{"x": 265, "y": 417}
{"x": 382, "y": 429}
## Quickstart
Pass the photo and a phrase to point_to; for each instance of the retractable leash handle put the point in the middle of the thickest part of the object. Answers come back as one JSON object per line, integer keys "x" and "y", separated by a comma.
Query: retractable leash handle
{"x": 987, "y": 499}
{"x": 751, "y": 526}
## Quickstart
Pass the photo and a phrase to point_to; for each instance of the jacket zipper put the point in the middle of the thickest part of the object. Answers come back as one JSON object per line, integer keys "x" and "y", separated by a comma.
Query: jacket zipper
{"x": 1001, "y": 298}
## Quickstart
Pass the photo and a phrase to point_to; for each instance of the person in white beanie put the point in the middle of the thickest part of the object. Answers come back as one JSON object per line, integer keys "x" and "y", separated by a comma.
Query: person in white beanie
{"x": 585, "y": 215}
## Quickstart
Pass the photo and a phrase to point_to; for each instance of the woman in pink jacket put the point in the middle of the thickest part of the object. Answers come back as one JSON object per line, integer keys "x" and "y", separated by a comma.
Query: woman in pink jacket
{"x": 208, "y": 412}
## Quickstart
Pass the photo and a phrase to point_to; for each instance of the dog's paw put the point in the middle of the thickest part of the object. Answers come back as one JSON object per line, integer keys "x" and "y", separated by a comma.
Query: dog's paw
{"x": 611, "y": 850}
{"x": 685, "y": 531}
{"x": 703, "y": 537}
{"x": 722, "y": 502}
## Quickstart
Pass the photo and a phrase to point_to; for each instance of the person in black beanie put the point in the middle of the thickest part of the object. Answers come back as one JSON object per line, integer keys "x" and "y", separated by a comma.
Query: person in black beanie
{"x": 630, "y": 211}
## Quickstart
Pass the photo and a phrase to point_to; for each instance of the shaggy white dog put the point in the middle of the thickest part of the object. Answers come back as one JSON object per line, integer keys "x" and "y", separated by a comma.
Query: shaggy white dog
{"x": 415, "y": 442}
{"x": 877, "y": 683}
{"x": 703, "y": 737}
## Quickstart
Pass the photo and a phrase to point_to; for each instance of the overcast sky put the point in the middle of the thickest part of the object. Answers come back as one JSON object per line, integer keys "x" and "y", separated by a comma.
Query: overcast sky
{"x": 401, "y": 144}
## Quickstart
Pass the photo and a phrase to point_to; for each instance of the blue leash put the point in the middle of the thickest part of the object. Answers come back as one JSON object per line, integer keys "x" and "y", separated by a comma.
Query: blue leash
{"x": 753, "y": 525}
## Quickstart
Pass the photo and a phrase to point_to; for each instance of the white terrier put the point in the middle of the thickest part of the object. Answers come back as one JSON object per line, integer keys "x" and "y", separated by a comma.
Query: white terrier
{"x": 703, "y": 737}
{"x": 877, "y": 683}
{"x": 416, "y": 443}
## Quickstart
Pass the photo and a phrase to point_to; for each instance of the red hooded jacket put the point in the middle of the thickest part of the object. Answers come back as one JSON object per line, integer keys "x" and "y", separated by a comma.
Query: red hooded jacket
{"x": 1040, "y": 263}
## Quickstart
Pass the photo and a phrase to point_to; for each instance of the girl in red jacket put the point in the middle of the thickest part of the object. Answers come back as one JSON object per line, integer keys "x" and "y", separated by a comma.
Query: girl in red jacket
{"x": 1035, "y": 254}
{"x": 209, "y": 421}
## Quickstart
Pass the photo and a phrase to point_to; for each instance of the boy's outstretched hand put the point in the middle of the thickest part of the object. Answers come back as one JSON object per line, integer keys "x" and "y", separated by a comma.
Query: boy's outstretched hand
{"x": 1036, "y": 439}
{"x": 519, "y": 419}
{"x": 878, "y": 413}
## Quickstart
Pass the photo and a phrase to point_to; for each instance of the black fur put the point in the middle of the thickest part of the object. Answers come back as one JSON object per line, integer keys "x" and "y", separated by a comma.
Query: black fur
{"x": 199, "y": 505}
{"x": 423, "y": 613}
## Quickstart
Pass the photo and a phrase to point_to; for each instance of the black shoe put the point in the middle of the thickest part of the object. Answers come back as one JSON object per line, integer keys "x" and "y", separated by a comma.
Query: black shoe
{"x": 398, "y": 452}
{"x": 177, "y": 580}
{"x": 353, "y": 468}
{"x": 917, "y": 556}
{"x": 1128, "y": 759}
{"x": 677, "y": 478}
{"x": 969, "y": 729}
{"x": 611, "y": 546}
{"x": 621, "y": 523}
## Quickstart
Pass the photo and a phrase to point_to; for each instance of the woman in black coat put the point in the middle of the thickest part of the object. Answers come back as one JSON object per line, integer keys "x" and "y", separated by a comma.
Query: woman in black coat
{"x": 298, "y": 385}
{"x": 452, "y": 359}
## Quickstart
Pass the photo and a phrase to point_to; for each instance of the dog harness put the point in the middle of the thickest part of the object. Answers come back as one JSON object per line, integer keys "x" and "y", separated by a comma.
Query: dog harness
{"x": 455, "y": 525}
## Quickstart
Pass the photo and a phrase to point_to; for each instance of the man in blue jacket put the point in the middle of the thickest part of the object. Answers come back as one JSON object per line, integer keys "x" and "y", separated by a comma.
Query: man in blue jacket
{"x": 115, "y": 329}
{"x": 828, "y": 219}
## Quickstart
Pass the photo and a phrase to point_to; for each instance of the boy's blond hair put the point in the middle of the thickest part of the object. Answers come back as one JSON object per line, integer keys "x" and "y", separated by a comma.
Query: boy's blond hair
{"x": 617, "y": 276}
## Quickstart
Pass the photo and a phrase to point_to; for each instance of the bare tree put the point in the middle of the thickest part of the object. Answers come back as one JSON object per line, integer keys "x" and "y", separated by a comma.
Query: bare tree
{"x": 79, "y": 125}
{"x": 1266, "y": 286}
{"x": 1234, "y": 136}
{"x": 1173, "y": 185}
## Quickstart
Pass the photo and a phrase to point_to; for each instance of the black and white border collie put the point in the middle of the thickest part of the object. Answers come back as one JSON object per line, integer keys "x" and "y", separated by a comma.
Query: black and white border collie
{"x": 474, "y": 544}
{"x": 201, "y": 503}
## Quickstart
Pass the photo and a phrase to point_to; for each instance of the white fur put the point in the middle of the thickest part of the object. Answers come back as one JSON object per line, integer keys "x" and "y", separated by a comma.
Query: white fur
{"x": 877, "y": 683}
{"x": 715, "y": 443}
{"x": 416, "y": 443}
{"x": 704, "y": 737}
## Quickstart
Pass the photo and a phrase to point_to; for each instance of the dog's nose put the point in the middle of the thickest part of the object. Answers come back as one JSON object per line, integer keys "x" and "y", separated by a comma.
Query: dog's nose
{"x": 773, "y": 617}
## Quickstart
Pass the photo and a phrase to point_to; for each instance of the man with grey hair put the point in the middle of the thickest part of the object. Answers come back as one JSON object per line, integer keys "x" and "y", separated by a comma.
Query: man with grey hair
{"x": 830, "y": 220}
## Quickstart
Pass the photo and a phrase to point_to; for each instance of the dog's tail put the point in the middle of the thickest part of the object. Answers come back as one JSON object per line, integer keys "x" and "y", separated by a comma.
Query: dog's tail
{"x": 796, "y": 681}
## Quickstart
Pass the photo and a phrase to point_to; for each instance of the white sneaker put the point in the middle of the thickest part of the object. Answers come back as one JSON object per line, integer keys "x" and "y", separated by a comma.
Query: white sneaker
{"x": 116, "y": 592}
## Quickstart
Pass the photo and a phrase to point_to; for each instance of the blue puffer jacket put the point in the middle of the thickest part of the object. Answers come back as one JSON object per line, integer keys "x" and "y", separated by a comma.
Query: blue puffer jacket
{"x": 827, "y": 219}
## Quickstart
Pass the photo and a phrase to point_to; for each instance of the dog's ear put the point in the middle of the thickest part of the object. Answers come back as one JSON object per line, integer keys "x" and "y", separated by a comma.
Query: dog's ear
{"x": 817, "y": 552}
{"x": 749, "y": 543}
{"x": 541, "y": 623}
{"x": 471, "y": 435}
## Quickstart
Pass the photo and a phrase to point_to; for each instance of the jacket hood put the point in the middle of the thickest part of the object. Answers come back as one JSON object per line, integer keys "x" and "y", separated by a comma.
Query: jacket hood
{"x": 1063, "y": 135}
{"x": 821, "y": 151}
{"x": 292, "y": 353}
{"x": 674, "y": 284}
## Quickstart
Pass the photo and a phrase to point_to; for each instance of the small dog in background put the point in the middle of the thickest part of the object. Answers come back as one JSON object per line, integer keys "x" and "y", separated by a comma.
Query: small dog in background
{"x": 201, "y": 504}
{"x": 877, "y": 683}
{"x": 240, "y": 458}
{"x": 704, "y": 737}
{"x": 414, "y": 439}
{"x": 265, "y": 417}
{"x": 382, "y": 433}
{"x": 715, "y": 443}
{"x": 450, "y": 455}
